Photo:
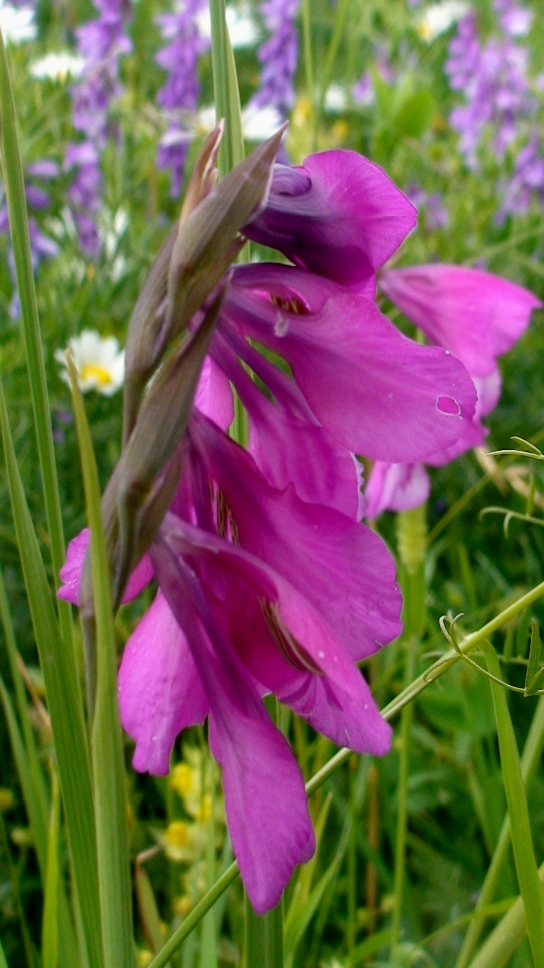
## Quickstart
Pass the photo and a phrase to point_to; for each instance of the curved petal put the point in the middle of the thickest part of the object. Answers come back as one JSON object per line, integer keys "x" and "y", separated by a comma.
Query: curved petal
{"x": 476, "y": 315}
{"x": 338, "y": 215}
{"x": 70, "y": 573}
{"x": 265, "y": 800}
{"x": 285, "y": 439}
{"x": 160, "y": 692}
{"x": 396, "y": 487}
{"x": 342, "y": 568}
{"x": 375, "y": 391}
{"x": 213, "y": 395}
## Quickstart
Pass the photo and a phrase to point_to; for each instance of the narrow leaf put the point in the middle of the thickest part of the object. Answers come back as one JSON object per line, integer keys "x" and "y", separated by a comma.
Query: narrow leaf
{"x": 522, "y": 843}
{"x": 106, "y": 744}
{"x": 62, "y": 688}
{"x": 50, "y": 935}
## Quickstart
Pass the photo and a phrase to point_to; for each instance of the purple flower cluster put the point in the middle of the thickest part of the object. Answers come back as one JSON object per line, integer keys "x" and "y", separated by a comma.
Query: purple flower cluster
{"x": 41, "y": 246}
{"x": 278, "y": 56}
{"x": 179, "y": 58}
{"x": 267, "y": 581}
{"x": 499, "y": 106}
{"x": 101, "y": 42}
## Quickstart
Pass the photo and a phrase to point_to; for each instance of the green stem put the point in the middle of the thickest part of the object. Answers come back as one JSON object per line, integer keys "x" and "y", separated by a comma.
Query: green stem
{"x": 507, "y": 936}
{"x": 225, "y": 91}
{"x": 529, "y": 763}
{"x": 522, "y": 842}
{"x": 106, "y": 740}
{"x": 309, "y": 65}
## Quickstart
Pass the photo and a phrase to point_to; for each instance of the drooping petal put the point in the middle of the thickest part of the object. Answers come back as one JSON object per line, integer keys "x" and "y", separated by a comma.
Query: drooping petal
{"x": 284, "y": 641}
{"x": 375, "y": 391}
{"x": 476, "y": 315}
{"x": 160, "y": 692}
{"x": 70, "y": 573}
{"x": 396, "y": 487}
{"x": 285, "y": 439}
{"x": 265, "y": 800}
{"x": 342, "y": 568}
{"x": 338, "y": 215}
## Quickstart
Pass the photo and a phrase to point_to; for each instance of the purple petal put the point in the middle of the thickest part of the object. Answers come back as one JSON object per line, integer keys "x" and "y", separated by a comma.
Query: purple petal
{"x": 338, "y": 215}
{"x": 160, "y": 692}
{"x": 265, "y": 800}
{"x": 285, "y": 439}
{"x": 375, "y": 391}
{"x": 213, "y": 395}
{"x": 476, "y": 315}
{"x": 339, "y": 566}
{"x": 70, "y": 573}
{"x": 396, "y": 487}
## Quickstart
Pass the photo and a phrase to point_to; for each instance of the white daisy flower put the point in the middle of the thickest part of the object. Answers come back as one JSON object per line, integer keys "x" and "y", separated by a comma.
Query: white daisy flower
{"x": 99, "y": 363}
{"x": 58, "y": 66}
{"x": 17, "y": 23}
{"x": 439, "y": 17}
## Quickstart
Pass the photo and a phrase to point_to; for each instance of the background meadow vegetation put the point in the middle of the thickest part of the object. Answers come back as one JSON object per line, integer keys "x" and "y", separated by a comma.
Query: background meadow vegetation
{"x": 370, "y": 76}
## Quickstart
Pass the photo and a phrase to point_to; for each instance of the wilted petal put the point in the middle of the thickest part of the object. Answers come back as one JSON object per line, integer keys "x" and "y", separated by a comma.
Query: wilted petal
{"x": 396, "y": 487}
{"x": 265, "y": 800}
{"x": 476, "y": 315}
{"x": 160, "y": 692}
{"x": 338, "y": 215}
{"x": 70, "y": 573}
{"x": 375, "y": 391}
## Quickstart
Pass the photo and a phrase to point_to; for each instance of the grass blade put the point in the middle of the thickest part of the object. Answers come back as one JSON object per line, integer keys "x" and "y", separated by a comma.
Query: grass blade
{"x": 50, "y": 939}
{"x": 62, "y": 688}
{"x": 522, "y": 843}
{"x": 106, "y": 743}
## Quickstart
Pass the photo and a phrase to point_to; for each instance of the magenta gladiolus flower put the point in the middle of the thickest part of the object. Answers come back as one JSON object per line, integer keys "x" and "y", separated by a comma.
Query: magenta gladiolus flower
{"x": 268, "y": 583}
{"x": 265, "y": 593}
{"x": 478, "y": 317}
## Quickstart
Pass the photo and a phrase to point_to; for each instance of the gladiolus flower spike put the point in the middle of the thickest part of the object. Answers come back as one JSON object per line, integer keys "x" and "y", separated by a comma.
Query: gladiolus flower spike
{"x": 267, "y": 581}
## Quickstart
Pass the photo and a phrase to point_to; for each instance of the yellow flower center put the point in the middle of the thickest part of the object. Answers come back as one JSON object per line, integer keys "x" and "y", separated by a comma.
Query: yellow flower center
{"x": 93, "y": 371}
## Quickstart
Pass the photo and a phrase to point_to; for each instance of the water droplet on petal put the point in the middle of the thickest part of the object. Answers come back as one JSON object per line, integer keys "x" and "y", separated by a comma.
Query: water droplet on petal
{"x": 281, "y": 327}
{"x": 448, "y": 405}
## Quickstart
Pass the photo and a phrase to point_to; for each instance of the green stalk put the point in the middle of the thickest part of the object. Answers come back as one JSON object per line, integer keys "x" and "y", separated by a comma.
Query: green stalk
{"x": 231, "y": 149}
{"x": 50, "y": 933}
{"x": 106, "y": 740}
{"x": 506, "y": 937}
{"x": 69, "y": 734}
{"x": 332, "y": 50}
{"x": 18, "y": 222}
{"x": 412, "y": 544}
{"x": 309, "y": 65}
{"x": 522, "y": 842}
{"x": 529, "y": 763}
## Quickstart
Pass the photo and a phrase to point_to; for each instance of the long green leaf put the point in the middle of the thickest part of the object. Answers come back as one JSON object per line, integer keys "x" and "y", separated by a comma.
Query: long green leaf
{"x": 3, "y": 962}
{"x": 18, "y": 221}
{"x": 225, "y": 89}
{"x": 506, "y": 937}
{"x": 107, "y": 748}
{"x": 61, "y": 685}
{"x": 50, "y": 933}
{"x": 522, "y": 842}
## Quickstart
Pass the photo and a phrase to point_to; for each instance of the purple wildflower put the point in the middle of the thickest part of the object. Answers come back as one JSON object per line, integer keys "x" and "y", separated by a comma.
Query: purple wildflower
{"x": 42, "y": 246}
{"x": 499, "y": 104}
{"x": 179, "y": 58}
{"x": 278, "y": 56}
{"x": 268, "y": 583}
{"x": 101, "y": 42}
